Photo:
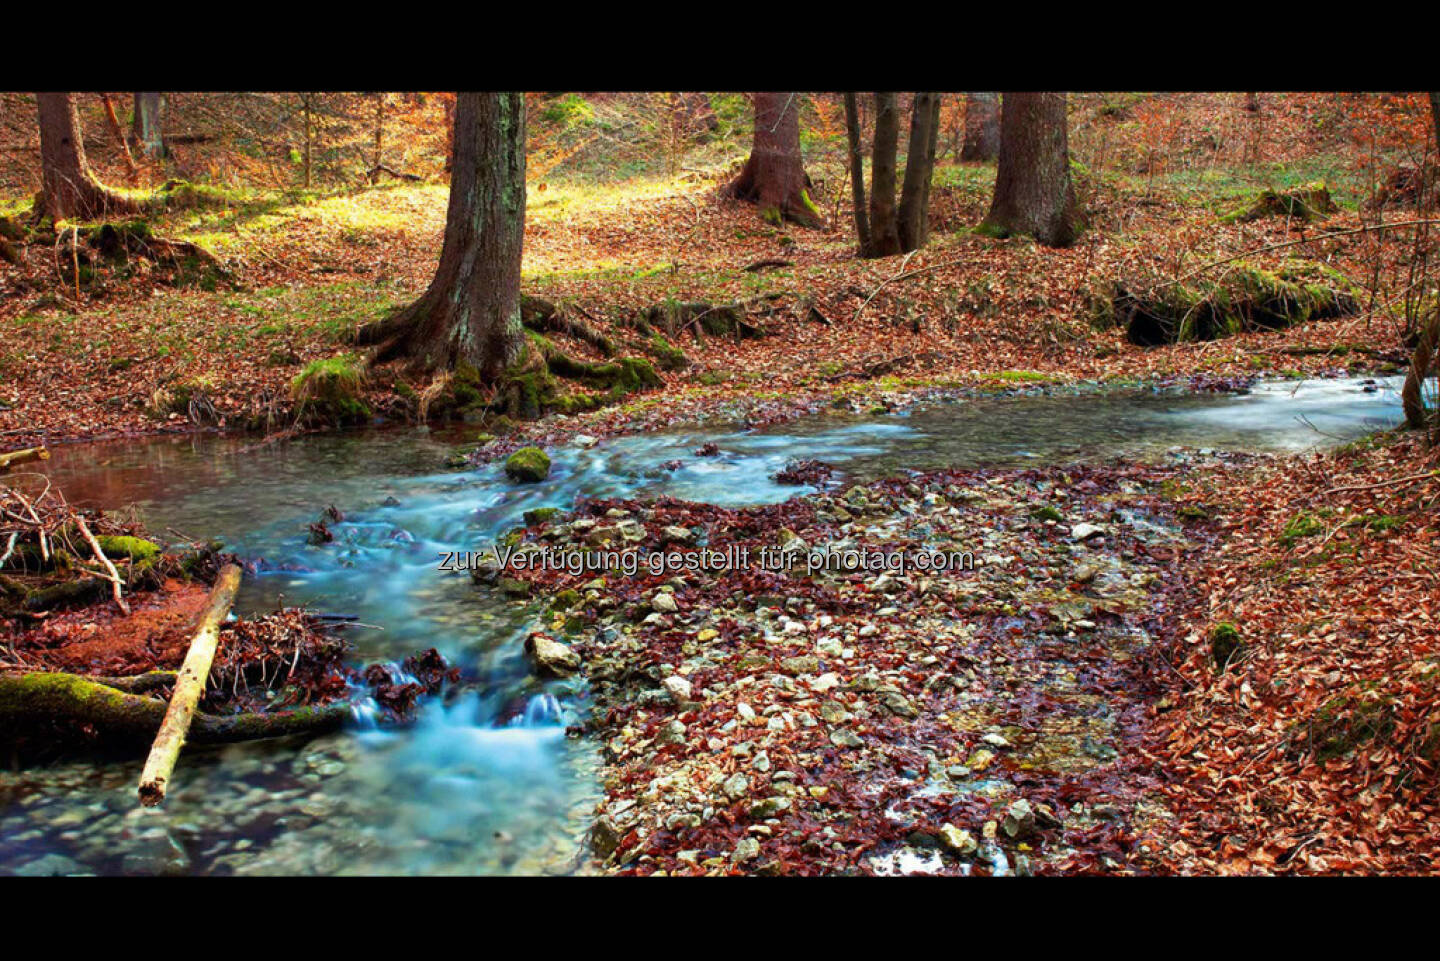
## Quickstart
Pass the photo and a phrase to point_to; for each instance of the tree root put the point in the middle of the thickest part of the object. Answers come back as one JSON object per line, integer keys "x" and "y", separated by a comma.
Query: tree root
{"x": 46, "y": 698}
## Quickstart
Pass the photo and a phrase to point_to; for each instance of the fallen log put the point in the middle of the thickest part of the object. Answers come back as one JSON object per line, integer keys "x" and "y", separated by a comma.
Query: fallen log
{"x": 189, "y": 687}
{"x": 23, "y": 457}
{"x": 53, "y": 696}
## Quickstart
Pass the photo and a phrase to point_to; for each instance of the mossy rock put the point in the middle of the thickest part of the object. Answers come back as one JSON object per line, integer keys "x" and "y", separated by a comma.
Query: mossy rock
{"x": 528, "y": 465}
{"x": 564, "y": 600}
{"x": 1244, "y": 298}
{"x": 1225, "y": 643}
{"x": 1310, "y": 202}
{"x": 330, "y": 391}
{"x": 539, "y": 515}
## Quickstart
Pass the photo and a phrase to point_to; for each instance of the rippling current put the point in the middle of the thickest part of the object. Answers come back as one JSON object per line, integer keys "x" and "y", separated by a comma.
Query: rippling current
{"x": 490, "y": 783}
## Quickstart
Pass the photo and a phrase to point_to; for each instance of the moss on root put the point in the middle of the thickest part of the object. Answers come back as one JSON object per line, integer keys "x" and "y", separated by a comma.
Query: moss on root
{"x": 1245, "y": 298}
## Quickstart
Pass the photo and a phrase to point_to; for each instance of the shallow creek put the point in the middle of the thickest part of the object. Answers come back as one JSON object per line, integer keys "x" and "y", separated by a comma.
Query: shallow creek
{"x": 490, "y": 784}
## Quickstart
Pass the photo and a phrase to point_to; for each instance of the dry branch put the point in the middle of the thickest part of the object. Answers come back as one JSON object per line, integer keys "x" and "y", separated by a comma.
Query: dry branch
{"x": 189, "y": 686}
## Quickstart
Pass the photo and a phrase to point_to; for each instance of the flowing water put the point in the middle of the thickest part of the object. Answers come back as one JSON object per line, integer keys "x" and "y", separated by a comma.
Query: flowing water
{"x": 490, "y": 783}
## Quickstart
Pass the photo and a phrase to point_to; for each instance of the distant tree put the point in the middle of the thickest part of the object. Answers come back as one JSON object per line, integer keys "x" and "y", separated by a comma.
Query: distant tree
{"x": 1033, "y": 192}
{"x": 982, "y": 127}
{"x": 887, "y": 229}
{"x": 71, "y": 190}
{"x": 147, "y": 126}
{"x": 471, "y": 312}
{"x": 774, "y": 175}
{"x": 914, "y": 213}
{"x": 1435, "y": 114}
{"x": 857, "y": 174}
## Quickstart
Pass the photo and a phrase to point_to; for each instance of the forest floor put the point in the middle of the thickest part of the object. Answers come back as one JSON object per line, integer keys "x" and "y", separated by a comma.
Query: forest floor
{"x": 967, "y": 311}
{"x": 1283, "y": 719}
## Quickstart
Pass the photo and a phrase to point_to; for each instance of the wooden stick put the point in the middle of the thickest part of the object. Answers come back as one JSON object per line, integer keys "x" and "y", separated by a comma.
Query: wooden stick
{"x": 23, "y": 457}
{"x": 189, "y": 686}
{"x": 105, "y": 562}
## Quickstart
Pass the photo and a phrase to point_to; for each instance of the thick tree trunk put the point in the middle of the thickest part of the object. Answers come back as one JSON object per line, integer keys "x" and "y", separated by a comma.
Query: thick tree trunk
{"x": 774, "y": 176}
{"x": 857, "y": 174}
{"x": 149, "y": 124}
{"x": 1033, "y": 192}
{"x": 982, "y": 127}
{"x": 919, "y": 167}
{"x": 471, "y": 312}
{"x": 884, "y": 229}
{"x": 71, "y": 190}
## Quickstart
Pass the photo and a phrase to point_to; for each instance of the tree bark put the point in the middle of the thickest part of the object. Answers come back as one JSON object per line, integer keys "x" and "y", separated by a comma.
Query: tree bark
{"x": 148, "y": 126}
{"x": 857, "y": 174}
{"x": 774, "y": 177}
{"x": 982, "y": 128}
{"x": 914, "y": 217}
{"x": 1435, "y": 115}
{"x": 1422, "y": 361}
{"x": 71, "y": 190}
{"x": 884, "y": 229}
{"x": 1033, "y": 192}
{"x": 471, "y": 311}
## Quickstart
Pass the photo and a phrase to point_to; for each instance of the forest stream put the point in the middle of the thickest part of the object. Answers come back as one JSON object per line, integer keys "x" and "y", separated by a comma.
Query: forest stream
{"x": 491, "y": 783}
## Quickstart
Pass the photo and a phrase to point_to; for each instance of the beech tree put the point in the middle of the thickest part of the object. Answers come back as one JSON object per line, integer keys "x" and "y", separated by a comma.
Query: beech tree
{"x": 148, "y": 125}
{"x": 1033, "y": 192}
{"x": 471, "y": 311}
{"x": 982, "y": 127}
{"x": 774, "y": 176}
{"x": 887, "y": 229}
{"x": 71, "y": 190}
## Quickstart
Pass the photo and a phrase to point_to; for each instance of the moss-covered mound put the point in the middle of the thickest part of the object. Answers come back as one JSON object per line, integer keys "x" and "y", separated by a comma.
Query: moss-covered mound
{"x": 1245, "y": 298}
{"x": 330, "y": 391}
{"x": 1310, "y": 202}
{"x": 528, "y": 465}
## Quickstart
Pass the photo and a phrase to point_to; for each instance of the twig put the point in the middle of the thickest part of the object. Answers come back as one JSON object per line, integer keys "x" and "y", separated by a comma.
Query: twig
{"x": 100, "y": 556}
{"x": 1390, "y": 483}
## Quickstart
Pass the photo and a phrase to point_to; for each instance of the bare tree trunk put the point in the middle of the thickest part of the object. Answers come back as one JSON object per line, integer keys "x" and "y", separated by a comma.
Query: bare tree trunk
{"x": 1422, "y": 361}
{"x": 1033, "y": 192}
{"x": 471, "y": 311}
{"x": 919, "y": 168}
{"x": 71, "y": 190}
{"x": 309, "y": 133}
{"x": 774, "y": 176}
{"x": 857, "y": 175}
{"x": 132, "y": 173}
{"x": 884, "y": 230}
{"x": 982, "y": 127}
{"x": 148, "y": 126}
{"x": 379, "y": 134}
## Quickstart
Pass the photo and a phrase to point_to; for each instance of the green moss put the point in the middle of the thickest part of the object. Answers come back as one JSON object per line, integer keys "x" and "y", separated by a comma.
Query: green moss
{"x": 330, "y": 391}
{"x": 539, "y": 515}
{"x": 1225, "y": 643}
{"x": 1046, "y": 512}
{"x": 1309, "y": 202}
{"x": 1244, "y": 298}
{"x": 1300, "y": 526}
{"x": 135, "y": 548}
{"x": 565, "y": 600}
{"x": 1343, "y": 724}
{"x": 528, "y": 465}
